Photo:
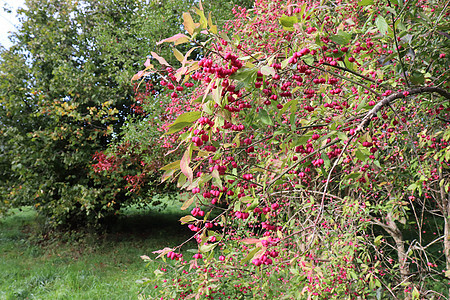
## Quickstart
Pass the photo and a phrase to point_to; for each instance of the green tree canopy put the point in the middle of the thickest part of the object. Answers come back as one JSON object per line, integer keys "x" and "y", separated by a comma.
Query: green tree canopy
{"x": 66, "y": 93}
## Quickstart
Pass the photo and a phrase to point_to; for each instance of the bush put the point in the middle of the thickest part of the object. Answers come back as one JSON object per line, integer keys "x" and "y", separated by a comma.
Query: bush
{"x": 319, "y": 131}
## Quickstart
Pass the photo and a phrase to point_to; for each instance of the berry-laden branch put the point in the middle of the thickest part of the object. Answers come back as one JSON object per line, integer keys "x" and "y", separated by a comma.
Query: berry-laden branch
{"x": 387, "y": 100}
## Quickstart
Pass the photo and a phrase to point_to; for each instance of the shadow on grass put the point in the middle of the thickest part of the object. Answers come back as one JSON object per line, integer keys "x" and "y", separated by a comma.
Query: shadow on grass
{"x": 148, "y": 223}
{"x": 85, "y": 266}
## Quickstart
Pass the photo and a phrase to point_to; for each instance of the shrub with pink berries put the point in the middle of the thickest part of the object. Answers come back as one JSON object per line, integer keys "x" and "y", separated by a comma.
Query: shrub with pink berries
{"x": 315, "y": 150}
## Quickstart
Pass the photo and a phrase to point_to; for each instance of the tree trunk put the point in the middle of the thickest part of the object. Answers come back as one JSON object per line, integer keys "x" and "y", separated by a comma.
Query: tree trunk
{"x": 393, "y": 230}
{"x": 444, "y": 206}
{"x": 447, "y": 243}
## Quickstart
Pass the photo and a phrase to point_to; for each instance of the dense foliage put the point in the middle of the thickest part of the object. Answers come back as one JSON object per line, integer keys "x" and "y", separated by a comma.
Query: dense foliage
{"x": 314, "y": 138}
{"x": 66, "y": 96}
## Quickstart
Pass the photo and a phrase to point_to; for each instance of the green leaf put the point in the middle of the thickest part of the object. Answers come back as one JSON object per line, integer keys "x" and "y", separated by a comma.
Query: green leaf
{"x": 391, "y": 10}
{"x": 377, "y": 240}
{"x": 250, "y": 255}
{"x": 417, "y": 77}
{"x": 188, "y": 117}
{"x": 303, "y": 139}
{"x": 245, "y": 77}
{"x": 348, "y": 64}
{"x": 360, "y": 155}
{"x": 264, "y": 117}
{"x": 341, "y": 38}
{"x": 208, "y": 247}
{"x": 381, "y": 24}
{"x": 412, "y": 187}
{"x": 365, "y": 2}
{"x": 288, "y": 22}
{"x": 289, "y": 104}
{"x": 216, "y": 178}
{"x": 353, "y": 175}
{"x": 203, "y": 21}
{"x": 342, "y": 136}
{"x": 217, "y": 95}
{"x": 225, "y": 36}
{"x": 177, "y": 127}
{"x": 326, "y": 160}
{"x": 308, "y": 59}
{"x": 244, "y": 74}
{"x": 345, "y": 35}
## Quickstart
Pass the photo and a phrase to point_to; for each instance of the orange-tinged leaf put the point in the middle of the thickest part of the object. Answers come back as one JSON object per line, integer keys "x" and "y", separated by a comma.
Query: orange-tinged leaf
{"x": 184, "y": 165}
{"x": 162, "y": 252}
{"x": 250, "y": 241}
{"x": 137, "y": 75}
{"x": 160, "y": 59}
{"x": 177, "y": 39}
{"x": 193, "y": 67}
{"x": 194, "y": 265}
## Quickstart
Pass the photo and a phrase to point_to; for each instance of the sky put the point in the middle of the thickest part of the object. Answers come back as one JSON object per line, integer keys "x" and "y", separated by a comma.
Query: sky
{"x": 8, "y": 21}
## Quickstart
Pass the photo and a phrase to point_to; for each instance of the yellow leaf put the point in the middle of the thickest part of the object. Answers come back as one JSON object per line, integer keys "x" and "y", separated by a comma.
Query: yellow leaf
{"x": 187, "y": 203}
{"x": 187, "y": 219}
{"x": 212, "y": 27}
{"x": 178, "y": 54}
{"x": 188, "y": 23}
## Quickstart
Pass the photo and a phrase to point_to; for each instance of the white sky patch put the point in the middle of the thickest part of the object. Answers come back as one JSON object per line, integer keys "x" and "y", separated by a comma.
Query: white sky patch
{"x": 8, "y": 21}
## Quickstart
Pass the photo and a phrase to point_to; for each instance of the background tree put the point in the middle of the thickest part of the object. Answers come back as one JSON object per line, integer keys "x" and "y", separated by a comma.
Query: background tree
{"x": 65, "y": 96}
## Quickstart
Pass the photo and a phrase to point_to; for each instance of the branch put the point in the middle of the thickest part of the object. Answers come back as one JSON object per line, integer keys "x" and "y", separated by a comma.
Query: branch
{"x": 322, "y": 203}
{"x": 300, "y": 161}
{"x": 443, "y": 120}
{"x": 350, "y": 71}
{"x": 345, "y": 78}
{"x": 398, "y": 49}
{"x": 387, "y": 100}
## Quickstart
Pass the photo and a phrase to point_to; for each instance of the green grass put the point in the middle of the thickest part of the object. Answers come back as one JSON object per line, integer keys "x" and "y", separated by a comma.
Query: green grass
{"x": 93, "y": 267}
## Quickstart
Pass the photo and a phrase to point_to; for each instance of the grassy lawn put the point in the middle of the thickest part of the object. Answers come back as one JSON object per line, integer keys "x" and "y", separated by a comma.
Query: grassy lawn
{"x": 93, "y": 267}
